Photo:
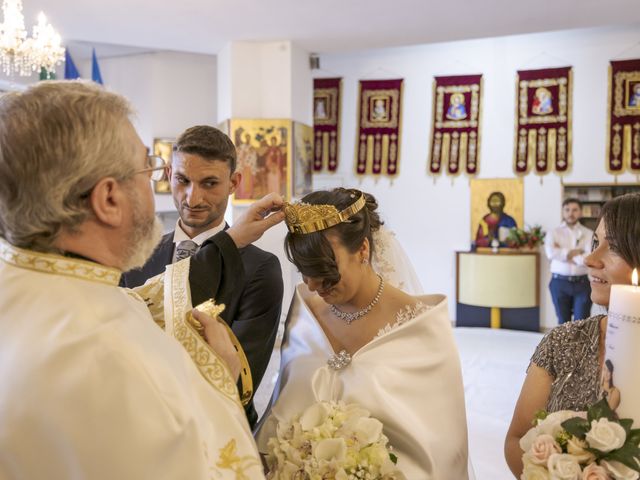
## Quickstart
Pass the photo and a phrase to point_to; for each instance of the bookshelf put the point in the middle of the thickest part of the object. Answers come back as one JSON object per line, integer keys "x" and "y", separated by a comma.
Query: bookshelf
{"x": 594, "y": 196}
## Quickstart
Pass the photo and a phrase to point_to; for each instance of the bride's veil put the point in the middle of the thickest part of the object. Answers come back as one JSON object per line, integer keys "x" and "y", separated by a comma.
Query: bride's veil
{"x": 392, "y": 263}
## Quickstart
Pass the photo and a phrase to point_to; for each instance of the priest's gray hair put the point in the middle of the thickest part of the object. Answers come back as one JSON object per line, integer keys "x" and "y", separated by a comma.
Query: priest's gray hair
{"x": 57, "y": 140}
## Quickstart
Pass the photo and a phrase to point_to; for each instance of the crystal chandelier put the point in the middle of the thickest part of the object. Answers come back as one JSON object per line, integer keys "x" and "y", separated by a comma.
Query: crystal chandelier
{"x": 22, "y": 55}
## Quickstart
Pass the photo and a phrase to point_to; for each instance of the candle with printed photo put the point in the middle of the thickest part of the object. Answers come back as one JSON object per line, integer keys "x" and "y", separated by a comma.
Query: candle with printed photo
{"x": 620, "y": 373}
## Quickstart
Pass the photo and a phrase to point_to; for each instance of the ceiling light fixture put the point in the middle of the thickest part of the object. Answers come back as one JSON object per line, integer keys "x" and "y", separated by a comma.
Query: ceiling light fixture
{"x": 23, "y": 55}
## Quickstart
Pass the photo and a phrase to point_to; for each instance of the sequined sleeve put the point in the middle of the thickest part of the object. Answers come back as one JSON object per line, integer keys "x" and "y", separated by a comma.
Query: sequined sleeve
{"x": 543, "y": 356}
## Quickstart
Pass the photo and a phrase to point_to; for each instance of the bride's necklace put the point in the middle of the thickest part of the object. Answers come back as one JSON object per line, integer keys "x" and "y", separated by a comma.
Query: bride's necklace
{"x": 350, "y": 317}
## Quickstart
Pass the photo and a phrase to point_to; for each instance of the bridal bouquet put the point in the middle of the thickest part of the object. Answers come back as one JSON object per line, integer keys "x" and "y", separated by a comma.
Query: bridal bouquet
{"x": 331, "y": 440}
{"x": 592, "y": 445}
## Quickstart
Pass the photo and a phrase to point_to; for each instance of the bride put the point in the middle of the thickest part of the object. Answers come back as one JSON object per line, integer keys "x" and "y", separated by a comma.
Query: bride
{"x": 352, "y": 336}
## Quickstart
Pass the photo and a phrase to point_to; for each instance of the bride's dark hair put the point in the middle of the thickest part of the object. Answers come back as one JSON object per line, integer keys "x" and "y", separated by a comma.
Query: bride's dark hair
{"x": 312, "y": 254}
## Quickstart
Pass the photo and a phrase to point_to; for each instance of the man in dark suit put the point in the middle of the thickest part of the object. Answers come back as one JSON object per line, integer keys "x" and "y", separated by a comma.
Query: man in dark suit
{"x": 202, "y": 176}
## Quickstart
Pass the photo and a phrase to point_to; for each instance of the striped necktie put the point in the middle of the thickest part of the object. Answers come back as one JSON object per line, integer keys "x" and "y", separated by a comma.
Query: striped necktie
{"x": 185, "y": 249}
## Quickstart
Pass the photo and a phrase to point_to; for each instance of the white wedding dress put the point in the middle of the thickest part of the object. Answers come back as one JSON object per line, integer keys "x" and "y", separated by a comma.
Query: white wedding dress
{"x": 408, "y": 377}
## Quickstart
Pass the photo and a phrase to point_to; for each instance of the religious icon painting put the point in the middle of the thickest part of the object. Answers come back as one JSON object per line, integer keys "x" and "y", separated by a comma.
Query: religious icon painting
{"x": 623, "y": 133}
{"x": 543, "y": 121}
{"x": 455, "y": 131}
{"x": 264, "y": 158}
{"x": 379, "y": 116}
{"x": 303, "y": 159}
{"x": 326, "y": 123}
{"x": 163, "y": 147}
{"x": 497, "y": 205}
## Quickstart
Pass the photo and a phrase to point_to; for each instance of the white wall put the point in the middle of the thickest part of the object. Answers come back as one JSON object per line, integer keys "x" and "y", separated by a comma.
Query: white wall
{"x": 170, "y": 92}
{"x": 431, "y": 216}
{"x": 266, "y": 80}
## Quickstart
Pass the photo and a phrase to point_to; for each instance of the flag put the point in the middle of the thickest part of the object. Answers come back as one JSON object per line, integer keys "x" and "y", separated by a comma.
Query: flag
{"x": 95, "y": 69}
{"x": 70, "y": 70}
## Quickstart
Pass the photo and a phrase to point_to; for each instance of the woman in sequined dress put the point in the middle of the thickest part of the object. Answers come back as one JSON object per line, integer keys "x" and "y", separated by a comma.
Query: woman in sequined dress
{"x": 352, "y": 336}
{"x": 567, "y": 366}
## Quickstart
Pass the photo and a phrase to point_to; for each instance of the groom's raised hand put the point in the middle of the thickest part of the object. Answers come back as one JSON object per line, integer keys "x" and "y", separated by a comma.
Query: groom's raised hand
{"x": 259, "y": 217}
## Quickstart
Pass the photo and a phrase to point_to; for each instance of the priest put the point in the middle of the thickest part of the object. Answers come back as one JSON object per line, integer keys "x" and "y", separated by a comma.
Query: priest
{"x": 90, "y": 387}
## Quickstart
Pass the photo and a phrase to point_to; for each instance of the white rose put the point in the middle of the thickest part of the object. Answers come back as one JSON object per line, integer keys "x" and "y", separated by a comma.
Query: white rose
{"x": 528, "y": 438}
{"x": 562, "y": 466}
{"x": 605, "y": 435}
{"x": 619, "y": 471}
{"x": 330, "y": 449}
{"x": 314, "y": 416}
{"x": 368, "y": 430}
{"x": 542, "y": 448}
{"x": 353, "y": 410}
{"x": 576, "y": 447}
{"x": 288, "y": 470}
{"x": 341, "y": 475}
{"x": 594, "y": 471}
{"x": 534, "y": 472}
{"x": 552, "y": 425}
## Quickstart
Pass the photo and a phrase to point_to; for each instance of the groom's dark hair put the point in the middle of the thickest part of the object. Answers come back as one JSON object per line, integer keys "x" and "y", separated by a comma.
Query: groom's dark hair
{"x": 312, "y": 254}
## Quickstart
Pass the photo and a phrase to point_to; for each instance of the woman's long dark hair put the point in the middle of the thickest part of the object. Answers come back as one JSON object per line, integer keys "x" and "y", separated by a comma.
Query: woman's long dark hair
{"x": 621, "y": 217}
{"x": 609, "y": 365}
{"x": 312, "y": 254}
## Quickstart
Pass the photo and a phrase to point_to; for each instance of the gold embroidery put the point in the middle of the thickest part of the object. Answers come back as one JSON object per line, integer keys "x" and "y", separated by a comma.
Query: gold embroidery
{"x": 562, "y": 147}
{"x": 472, "y": 150}
{"x": 453, "y": 157}
{"x": 330, "y": 97}
{"x": 210, "y": 308}
{"x": 472, "y": 121}
{"x": 552, "y": 145}
{"x": 621, "y": 94}
{"x": 58, "y": 265}
{"x": 522, "y": 149}
{"x": 152, "y": 294}
{"x": 212, "y": 368}
{"x": 230, "y": 460}
{"x": 563, "y": 101}
{"x": 392, "y": 118}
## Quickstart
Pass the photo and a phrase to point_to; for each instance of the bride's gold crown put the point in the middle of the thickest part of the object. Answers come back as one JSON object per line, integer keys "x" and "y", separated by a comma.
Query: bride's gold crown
{"x": 304, "y": 218}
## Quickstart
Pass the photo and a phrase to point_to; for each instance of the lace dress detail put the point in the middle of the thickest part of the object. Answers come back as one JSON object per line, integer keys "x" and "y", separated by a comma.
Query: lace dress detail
{"x": 570, "y": 353}
{"x": 405, "y": 314}
{"x": 392, "y": 263}
{"x": 381, "y": 261}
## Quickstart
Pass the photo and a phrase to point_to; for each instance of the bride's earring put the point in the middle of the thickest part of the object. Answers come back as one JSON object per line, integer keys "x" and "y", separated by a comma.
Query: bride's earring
{"x": 364, "y": 261}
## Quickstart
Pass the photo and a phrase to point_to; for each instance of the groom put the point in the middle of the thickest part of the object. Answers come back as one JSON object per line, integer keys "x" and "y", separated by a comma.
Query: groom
{"x": 203, "y": 175}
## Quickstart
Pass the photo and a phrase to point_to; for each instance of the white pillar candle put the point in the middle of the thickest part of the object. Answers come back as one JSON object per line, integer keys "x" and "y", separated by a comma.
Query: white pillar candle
{"x": 622, "y": 346}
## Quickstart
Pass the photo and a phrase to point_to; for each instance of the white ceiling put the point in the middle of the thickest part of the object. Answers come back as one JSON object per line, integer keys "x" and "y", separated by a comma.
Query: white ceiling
{"x": 321, "y": 26}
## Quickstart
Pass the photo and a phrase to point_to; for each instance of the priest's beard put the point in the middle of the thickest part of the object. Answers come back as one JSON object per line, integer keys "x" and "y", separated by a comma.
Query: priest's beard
{"x": 144, "y": 236}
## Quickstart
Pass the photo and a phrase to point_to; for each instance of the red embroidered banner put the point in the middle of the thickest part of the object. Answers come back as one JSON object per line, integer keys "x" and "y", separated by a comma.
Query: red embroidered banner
{"x": 623, "y": 132}
{"x": 326, "y": 123}
{"x": 543, "y": 121}
{"x": 379, "y": 114}
{"x": 455, "y": 132}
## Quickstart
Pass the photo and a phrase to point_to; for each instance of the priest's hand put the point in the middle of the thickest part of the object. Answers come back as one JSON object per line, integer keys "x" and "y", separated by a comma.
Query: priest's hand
{"x": 259, "y": 217}
{"x": 216, "y": 336}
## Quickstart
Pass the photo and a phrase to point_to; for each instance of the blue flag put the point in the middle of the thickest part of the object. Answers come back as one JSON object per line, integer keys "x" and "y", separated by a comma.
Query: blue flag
{"x": 70, "y": 70}
{"x": 95, "y": 69}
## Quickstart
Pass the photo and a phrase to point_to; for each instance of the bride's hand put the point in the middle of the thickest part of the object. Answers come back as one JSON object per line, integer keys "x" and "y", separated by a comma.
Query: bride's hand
{"x": 216, "y": 336}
